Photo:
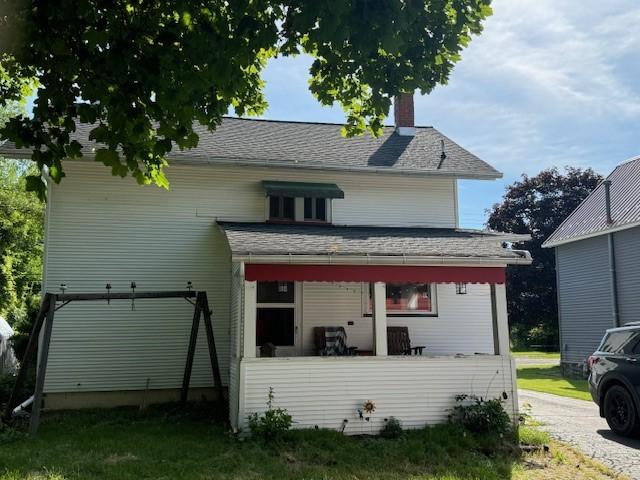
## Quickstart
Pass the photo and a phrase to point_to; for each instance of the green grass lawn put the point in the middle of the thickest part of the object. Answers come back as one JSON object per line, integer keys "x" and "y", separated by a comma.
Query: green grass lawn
{"x": 536, "y": 354}
{"x": 128, "y": 444}
{"x": 167, "y": 443}
{"x": 547, "y": 379}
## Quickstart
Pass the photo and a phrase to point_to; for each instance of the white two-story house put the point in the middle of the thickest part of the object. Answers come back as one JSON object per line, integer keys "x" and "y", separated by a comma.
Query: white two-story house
{"x": 314, "y": 250}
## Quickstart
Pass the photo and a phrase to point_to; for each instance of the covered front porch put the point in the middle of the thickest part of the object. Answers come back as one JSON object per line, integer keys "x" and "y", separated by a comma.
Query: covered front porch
{"x": 286, "y": 310}
{"x": 457, "y": 315}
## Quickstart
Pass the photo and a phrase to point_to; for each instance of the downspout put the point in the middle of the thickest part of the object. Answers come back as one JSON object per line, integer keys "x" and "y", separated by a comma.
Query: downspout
{"x": 494, "y": 319}
{"x": 563, "y": 347}
{"x": 613, "y": 280}
{"x": 612, "y": 255}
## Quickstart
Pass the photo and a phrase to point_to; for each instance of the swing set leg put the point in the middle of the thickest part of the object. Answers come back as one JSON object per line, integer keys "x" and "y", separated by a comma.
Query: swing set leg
{"x": 202, "y": 308}
{"x": 213, "y": 355}
{"x": 190, "y": 353}
{"x": 42, "y": 368}
{"x": 29, "y": 354}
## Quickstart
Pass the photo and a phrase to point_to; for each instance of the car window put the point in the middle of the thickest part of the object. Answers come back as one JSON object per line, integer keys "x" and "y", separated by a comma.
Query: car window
{"x": 624, "y": 342}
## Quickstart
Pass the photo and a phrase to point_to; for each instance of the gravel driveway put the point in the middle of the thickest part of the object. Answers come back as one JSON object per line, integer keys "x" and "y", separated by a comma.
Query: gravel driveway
{"x": 578, "y": 423}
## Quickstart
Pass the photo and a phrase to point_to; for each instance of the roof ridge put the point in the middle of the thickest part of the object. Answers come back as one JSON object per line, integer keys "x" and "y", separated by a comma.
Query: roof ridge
{"x": 625, "y": 162}
{"x": 336, "y": 124}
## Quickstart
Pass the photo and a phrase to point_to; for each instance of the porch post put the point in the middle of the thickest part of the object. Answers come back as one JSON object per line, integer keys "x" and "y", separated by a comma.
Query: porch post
{"x": 380, "y": 318}
{"x": 501, "y": 320}
{"x": 249, "y": 323}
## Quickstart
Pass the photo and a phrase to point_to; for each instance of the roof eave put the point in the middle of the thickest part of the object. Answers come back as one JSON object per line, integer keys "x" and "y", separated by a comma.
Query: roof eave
{"x": 550, "y": 243}
{"x": 24, "y": 154}
{"x": 342, "y": 259}
{"x": 266, "y": 163}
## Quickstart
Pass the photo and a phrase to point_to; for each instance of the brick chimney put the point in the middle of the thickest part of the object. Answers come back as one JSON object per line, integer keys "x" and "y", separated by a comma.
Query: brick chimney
{"x": 403, "y": 114}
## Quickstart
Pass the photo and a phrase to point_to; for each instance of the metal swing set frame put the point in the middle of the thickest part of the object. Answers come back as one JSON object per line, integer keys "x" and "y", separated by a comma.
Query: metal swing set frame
{"x": 52, "y": 302}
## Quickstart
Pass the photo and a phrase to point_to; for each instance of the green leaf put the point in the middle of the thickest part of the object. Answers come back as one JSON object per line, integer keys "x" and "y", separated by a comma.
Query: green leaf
{"x": 35, "y": 183}
{"x": 109, "y": 158}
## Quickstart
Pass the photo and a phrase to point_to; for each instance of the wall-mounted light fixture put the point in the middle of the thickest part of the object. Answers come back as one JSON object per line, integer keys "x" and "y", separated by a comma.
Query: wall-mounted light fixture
{"x": 461, "y": 288}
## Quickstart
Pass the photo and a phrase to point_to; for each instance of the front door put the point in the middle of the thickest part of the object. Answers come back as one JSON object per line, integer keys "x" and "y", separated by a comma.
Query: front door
{"x": 277, "y": 320}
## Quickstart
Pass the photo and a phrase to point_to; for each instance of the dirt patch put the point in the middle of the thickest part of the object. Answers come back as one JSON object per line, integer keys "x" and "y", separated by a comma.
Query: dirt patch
{"x": 561, "y": 461}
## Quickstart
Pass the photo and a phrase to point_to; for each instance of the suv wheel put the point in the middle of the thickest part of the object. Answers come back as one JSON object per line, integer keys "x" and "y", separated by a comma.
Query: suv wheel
{"x": 620, "y": 411}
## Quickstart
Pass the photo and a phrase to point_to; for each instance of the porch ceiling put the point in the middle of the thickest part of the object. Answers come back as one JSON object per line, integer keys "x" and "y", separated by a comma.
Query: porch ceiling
{"x": 296, "y": 240}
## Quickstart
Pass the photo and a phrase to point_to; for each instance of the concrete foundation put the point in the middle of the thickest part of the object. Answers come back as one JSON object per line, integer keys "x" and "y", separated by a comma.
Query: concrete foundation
{"x": 139, "y": 398}
{"x": 576, "y": 370}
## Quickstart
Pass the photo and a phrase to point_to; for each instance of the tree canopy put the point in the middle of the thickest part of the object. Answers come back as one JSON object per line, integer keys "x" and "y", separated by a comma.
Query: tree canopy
{"x": 537, "y": 205}
{"x": 21, "y": 230}
{"x": 21, "y": 249}
{"x": 142, "y": 72}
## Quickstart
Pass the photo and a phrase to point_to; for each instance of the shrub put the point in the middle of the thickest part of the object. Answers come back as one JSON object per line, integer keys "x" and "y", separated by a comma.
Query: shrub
{"x": 543, "y": 335}
{"x": 392, "y": 428}
{"x": 22, "y": 320}
{"x": 272, "y": 423}
{"x": 6, "y": 385}
{"x": 479, "y": 415}
{"x": 8, "y": 380}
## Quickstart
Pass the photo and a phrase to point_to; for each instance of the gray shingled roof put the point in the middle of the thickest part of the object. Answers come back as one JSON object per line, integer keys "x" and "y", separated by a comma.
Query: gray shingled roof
{"x": 590, "y": 218}
{"x": 296, "y": 239}
{"x": 318, "y": 146}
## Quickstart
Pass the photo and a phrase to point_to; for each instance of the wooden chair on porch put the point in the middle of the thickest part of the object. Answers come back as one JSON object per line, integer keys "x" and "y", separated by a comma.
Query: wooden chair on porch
{"x": 336, "y": 345}
{"x": 399, "y": 343}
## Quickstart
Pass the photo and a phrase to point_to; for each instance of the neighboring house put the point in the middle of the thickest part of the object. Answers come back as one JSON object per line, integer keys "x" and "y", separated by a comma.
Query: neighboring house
{"x": 287, "y": 226}
{"x": 598, "y": 266}
{"x": 8, "y": 362}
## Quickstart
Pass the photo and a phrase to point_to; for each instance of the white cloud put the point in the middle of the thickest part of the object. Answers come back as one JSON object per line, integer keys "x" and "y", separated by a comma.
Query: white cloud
{"x": 547, "y": 83}
{"x": 550, "y": 48}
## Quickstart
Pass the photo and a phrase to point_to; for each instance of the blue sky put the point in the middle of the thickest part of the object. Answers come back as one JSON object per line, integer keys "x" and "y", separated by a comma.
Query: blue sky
{"x": 548, "y": 83}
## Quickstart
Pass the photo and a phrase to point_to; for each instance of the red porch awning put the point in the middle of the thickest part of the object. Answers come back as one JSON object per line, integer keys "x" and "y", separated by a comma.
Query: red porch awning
{"x": 373, "y": 273}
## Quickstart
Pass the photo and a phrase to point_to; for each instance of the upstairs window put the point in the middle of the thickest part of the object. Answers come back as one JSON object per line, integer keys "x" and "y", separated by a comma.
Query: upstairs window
{"x": 315, "y": 209}
{"x": 282, "y": 208}
{"x": 300, "y": 201}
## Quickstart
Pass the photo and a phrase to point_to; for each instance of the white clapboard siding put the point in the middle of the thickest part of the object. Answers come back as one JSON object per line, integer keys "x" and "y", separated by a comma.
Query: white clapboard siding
{"x": 463, "y": 323}
{"x": 420, "y": 391}
{"x": 105, "y": 229}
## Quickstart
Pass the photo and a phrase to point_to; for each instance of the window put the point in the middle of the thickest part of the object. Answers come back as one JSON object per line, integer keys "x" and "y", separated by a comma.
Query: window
{"x": 315, "y": 209}
{"x": 275, "y": 316}
{"x": 404, "y": 299}
{"x": 300, "y": 201}
{"x": 624, "y": 342}
{"x": 281, "y": 208}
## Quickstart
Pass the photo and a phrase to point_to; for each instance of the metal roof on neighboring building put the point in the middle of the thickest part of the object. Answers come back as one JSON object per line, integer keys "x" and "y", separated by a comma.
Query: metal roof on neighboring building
{"x": 316, "y": 146}
{"x": 590, "y": 218}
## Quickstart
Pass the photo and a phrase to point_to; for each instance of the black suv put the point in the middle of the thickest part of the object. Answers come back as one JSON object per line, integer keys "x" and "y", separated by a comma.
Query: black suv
{"x": 614, "y": 378}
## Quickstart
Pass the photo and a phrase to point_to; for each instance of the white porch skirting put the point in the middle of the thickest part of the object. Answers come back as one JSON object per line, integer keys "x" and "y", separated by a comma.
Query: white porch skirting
{"x": 324, "y": 391}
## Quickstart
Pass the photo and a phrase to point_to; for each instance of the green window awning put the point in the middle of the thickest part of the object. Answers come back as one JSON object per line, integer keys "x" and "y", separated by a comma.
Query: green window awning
{"x": 302, "y": 189}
